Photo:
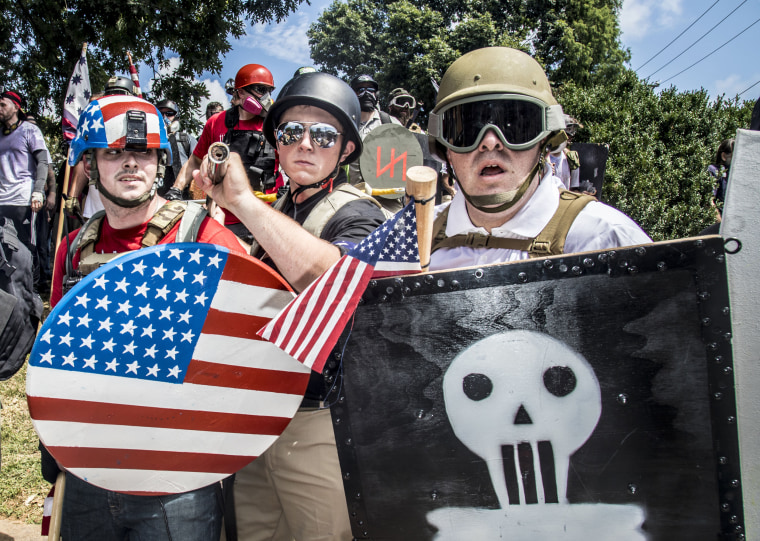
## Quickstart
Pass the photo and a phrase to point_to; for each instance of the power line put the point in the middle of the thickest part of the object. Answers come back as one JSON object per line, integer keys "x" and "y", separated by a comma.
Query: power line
{"x": 698, "y": 39}
{"x": 678, "y": 36}
{"x": 749, "y": 88}
{"x": 711, "y": 53}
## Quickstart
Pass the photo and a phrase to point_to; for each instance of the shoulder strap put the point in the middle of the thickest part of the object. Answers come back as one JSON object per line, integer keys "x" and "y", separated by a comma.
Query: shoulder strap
{"x": 191, "y": 222}
{"x": 88, "y": 235}
{"x": 162, "y": 222}
{"x": 185, "y": 140}
{"x": 385, "y": 118}
{"x": 550, "y": 241}
{"x": 326, "y": 209}
{"x": 176, "y": 164}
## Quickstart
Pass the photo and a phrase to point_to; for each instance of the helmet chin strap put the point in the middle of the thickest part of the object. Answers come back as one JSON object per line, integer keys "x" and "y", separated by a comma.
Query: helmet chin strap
{"x": 129, "y": 203}
{"x": 504, "y": 200}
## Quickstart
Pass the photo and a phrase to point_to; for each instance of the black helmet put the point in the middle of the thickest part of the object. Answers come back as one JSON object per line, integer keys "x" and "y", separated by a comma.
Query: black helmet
{"x": 168, "y": 104}
{"x": 119, "y": 85}
{"x": 362, "y": 80}
{"x": 326, "y": 92}
{"x": 229, "y": 86}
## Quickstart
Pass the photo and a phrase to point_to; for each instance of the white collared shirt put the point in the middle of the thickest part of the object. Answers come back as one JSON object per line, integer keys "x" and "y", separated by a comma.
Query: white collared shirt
{"x": 597, "y": 227}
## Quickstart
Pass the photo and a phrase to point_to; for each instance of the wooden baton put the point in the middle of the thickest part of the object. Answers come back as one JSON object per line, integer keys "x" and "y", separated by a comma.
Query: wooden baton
{"x": 421, "y": 186}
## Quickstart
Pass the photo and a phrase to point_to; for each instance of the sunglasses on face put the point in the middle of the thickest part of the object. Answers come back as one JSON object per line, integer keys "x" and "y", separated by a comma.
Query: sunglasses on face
{"x": 321, "y": 134}
{"x": 407, "y": 102}
{"x": 520, "y": 122}
{"x": 169, "y": 113}
{"x": 364, "y": 90}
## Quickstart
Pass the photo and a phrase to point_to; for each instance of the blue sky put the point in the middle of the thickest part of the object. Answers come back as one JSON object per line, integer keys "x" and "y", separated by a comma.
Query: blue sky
{"x": 647, "y": 26}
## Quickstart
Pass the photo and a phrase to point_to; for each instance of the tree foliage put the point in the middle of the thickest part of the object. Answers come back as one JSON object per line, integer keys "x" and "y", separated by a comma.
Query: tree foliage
{"x": 407, "y": 42}
{"x": 40, "y": 40}
{"x": 660, "y": 147}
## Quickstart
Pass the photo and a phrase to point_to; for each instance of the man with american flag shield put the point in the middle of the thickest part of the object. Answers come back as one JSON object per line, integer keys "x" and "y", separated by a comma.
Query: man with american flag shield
{"x": 122, "y": 378}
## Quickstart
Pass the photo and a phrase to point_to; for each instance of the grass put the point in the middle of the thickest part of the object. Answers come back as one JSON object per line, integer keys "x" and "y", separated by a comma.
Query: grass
{"x": 22, "y": 488}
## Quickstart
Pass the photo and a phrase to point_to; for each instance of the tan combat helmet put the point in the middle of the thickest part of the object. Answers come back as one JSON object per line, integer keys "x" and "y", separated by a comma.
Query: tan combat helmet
{"x": 488, "y": 73}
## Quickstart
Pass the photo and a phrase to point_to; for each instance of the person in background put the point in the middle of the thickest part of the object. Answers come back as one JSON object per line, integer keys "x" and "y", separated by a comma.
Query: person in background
{"x": 213, "y": 108}
{"x": 24, "y": 169}
{"x": 719, "y": 170}
{"x": 182, "y": 144}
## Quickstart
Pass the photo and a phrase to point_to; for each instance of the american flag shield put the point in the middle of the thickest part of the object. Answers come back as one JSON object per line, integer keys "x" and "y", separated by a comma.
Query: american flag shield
{"x": 148, "y": 376}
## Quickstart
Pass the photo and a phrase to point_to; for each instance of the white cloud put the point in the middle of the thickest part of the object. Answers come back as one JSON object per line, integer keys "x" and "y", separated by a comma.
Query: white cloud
{"x": 286, "y": 41}
{"x": 639, "y": 17}
{"x": 734, "y": 83}
{"x": 216, "y": 93}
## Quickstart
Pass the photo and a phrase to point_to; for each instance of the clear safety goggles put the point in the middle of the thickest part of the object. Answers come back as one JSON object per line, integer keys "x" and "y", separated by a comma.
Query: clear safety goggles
{"x": 520, "y": 122}
{"x": 321, "y": 134}
{"x": 403, "y": 102}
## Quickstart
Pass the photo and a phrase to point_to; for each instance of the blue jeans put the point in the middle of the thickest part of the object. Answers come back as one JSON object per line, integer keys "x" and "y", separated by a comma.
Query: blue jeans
{"x": 92, "y": 513}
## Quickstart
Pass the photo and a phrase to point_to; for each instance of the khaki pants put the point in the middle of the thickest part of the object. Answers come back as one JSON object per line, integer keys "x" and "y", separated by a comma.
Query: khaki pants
{"x": 295, "y": 489}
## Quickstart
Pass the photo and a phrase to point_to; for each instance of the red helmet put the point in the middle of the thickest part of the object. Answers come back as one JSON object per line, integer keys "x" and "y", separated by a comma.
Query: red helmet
{"x": 253, "y": 74}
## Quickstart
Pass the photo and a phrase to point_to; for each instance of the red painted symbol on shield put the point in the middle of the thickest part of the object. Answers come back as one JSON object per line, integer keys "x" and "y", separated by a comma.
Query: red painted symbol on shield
{"x": 392, "y": 164}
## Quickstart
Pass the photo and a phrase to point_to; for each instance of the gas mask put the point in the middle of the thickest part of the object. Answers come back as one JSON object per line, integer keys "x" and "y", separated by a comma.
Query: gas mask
{"x": 257, "y": 107}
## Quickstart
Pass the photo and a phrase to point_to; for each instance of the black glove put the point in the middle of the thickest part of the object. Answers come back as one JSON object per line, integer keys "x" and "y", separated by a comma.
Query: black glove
{"x": 173, "y": 194}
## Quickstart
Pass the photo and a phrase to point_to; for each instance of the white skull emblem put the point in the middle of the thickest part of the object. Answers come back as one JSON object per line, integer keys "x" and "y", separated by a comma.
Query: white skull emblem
{"x": 524, "y": 402}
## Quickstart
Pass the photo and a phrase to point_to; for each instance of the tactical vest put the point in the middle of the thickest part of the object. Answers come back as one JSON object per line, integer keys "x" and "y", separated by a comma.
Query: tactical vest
{"x": 189, "y": 214}
{"x": 550, "y": 241}
{"x": 255, "y": 152}
{"x": 322, "y": 212}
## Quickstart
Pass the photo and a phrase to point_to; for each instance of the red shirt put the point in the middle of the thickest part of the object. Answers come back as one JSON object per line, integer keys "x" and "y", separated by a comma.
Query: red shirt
{"x": 127, "y": 240}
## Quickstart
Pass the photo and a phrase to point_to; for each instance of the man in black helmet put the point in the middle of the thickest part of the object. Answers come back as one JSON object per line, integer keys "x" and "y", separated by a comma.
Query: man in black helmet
{"x": 295, "y": 489}
{"x": 119, "y": 85}
{"x": 182, "y": 144}
{"x": 366, "y": 89}
{"x": 494, "y": 120}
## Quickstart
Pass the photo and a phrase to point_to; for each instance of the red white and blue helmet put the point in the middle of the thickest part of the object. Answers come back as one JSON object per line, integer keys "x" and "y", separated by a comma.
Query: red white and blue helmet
{"x": 118, "y": 121}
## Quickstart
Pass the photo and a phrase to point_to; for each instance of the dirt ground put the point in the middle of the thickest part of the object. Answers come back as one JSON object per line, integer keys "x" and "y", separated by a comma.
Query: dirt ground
{"x": 17, "y": 531}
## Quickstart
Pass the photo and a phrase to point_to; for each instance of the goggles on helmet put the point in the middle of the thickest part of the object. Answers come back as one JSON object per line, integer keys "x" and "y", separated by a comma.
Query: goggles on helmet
{"x": 520, "y": 122}
{"x": 323, "y": 135}
{"x": 402, "y": 102}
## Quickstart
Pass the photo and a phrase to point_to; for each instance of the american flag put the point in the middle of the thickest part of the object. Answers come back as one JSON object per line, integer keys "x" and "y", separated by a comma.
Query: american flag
{"x": 77, "y": 96}
{"x": 311, "y": 324}
{"x": 113, "y": 108}
{"x": 148, "y": 376}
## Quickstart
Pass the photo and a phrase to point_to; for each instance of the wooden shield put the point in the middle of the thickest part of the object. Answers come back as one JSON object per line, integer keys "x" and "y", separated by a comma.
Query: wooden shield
{"x": 389, "y": 150}
{"x": 578, "y": 397}
{"x": 148, "y": 376}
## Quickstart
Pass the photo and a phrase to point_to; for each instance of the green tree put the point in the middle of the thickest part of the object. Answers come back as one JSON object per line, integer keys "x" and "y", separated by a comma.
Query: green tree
{"x": 660, "y": 146}
{"x": 40, "y": 40}
{"x": 408, "y": 42}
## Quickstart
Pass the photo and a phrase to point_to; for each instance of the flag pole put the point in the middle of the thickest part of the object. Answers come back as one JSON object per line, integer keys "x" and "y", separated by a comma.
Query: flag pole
{"x": 420, "y": 186}
{"x": 61, "y": 210}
